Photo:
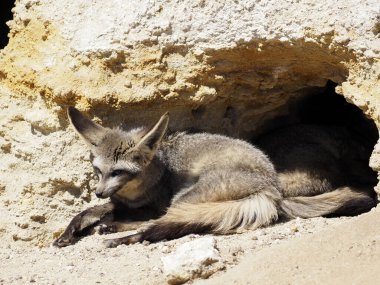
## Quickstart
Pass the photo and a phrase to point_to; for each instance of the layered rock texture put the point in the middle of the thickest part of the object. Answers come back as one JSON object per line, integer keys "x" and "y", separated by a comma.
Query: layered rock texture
{"x": 231, "y": 67}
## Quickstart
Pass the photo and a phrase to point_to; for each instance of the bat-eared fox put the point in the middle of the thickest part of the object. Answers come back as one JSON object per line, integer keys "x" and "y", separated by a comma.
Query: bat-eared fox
{"x": 173, "y": 185}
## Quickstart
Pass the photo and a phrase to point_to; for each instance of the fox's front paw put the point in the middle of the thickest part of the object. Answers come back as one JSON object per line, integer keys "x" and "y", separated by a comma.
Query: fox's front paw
{"x": 64, "y": 240}
{"x": 68, "y": 237}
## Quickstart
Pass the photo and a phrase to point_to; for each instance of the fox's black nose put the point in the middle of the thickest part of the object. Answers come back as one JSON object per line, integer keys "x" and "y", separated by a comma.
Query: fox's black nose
{"x": 99, "y": 195}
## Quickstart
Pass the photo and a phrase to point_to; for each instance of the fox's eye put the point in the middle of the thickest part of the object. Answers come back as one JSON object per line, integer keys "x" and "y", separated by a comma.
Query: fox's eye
{"x": 136, "y": 157}
{"x": 118, "y": 172}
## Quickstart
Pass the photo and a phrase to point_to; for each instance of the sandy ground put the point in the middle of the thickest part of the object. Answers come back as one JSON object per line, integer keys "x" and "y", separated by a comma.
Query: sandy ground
{"x": 344, "y": 253}
{"x": 313, "y": 251}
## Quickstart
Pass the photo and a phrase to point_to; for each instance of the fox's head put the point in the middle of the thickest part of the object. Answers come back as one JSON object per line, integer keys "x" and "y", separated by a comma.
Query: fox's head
{"x": 120, "y": 158}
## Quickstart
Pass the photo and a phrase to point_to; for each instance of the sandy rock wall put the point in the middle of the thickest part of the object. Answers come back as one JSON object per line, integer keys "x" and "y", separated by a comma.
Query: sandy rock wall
{"x": 219, "y": 66}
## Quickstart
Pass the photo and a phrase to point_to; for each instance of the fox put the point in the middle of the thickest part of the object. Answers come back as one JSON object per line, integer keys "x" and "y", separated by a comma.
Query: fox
{"x": 171, "y": 185}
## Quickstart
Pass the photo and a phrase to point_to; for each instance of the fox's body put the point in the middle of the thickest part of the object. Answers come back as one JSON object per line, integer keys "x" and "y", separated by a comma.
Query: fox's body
{"x": 194, "y": 183}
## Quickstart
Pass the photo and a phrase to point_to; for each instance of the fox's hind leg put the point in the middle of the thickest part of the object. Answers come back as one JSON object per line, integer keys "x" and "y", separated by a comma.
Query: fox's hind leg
{"x": 82, "y": 223}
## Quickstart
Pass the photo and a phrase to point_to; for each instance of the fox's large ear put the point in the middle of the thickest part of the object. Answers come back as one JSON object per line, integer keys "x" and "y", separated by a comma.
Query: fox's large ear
{"x": 91, "y": 132}
{"x": 152, "y": 139}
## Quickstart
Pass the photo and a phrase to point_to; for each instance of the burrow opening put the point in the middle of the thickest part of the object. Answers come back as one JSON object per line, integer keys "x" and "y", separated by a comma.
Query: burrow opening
{"x": 5, "y": 15}
{"x": 323, "y": 106}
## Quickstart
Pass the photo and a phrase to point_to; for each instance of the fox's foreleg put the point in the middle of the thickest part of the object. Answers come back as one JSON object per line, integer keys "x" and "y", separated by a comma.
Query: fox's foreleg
{"x": 84, "y": 222}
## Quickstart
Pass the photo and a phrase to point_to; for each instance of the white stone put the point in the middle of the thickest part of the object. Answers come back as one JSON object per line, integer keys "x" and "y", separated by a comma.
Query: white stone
{"x": 190, "y": 259}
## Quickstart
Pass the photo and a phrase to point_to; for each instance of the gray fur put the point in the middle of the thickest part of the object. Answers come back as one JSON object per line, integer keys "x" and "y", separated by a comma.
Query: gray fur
{"x": 205, "y": 182}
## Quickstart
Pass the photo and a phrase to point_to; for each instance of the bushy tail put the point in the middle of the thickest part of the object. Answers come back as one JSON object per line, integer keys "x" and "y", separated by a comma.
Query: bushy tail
{"x": 217, "y": 217}
{"x": 344, "y": 201}
{"x": 254, "y": 211}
